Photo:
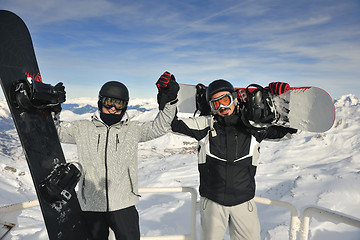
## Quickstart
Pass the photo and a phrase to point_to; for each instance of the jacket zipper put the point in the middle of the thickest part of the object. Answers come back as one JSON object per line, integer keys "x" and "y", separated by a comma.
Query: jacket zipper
{"x": 236, "y": 146}
{"x": 106, "y": 171}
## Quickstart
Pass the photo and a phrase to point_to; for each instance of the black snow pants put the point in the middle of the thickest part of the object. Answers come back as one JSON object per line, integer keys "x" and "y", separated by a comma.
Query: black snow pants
{"x": 123, "y": 222}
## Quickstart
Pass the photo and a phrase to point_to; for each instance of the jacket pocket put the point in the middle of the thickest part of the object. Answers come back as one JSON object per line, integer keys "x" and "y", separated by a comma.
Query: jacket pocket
{"x": 117, "y": 142}
{"x": 98, "y": 143}
{"x": 131, "y": 184}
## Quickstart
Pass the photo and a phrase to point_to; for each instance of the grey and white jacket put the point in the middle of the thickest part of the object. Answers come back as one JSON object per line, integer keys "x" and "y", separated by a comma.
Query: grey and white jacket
{"x": 108, "y": 156}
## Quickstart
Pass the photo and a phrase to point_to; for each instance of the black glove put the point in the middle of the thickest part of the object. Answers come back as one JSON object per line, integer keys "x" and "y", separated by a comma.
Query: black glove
{"x": 292, "y": 130}
{"x": 59, "y": 90}
{"x": 167, "y": 89}
{"x": 34, "y": 95}
{"x": 51, "y": 97}
{"x": 282, "y": 131}
{"x": 164, "y": 79}
{"x": 48, "y": 94}
{"x": 278, "y": 88}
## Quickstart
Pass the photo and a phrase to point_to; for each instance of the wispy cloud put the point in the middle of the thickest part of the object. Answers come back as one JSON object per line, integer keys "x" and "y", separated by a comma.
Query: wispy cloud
{"x": 302, "y": 42}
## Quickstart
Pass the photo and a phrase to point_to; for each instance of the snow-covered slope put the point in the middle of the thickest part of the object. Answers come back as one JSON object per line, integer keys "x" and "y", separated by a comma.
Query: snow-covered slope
{"x": 309, "y": 169}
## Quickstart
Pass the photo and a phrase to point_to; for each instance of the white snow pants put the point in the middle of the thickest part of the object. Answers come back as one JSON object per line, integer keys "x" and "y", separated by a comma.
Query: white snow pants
{"x": 242, "y": 220}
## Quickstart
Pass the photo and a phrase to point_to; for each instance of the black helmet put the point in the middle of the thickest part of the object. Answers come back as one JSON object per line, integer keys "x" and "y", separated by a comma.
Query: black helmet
{"x": 114, "y": 89}
{"x": 218, "y": 86}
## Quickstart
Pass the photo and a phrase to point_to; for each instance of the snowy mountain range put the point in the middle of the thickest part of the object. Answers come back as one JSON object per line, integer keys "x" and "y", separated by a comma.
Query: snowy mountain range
{"x": 321, "y": 169}
{"x": 77, "y": 106}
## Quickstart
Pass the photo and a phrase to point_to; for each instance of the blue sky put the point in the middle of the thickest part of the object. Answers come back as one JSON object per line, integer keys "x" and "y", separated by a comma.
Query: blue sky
{"x": 85, "y": 43}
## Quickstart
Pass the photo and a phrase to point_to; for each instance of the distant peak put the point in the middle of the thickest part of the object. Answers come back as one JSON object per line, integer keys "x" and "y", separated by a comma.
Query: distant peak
{"x": 347, "y": 100}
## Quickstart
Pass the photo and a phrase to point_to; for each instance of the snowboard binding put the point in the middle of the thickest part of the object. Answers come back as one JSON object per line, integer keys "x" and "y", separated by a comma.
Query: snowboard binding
{"x": 31, "y": 95}
{"x": 259, "y": 106}
{"x": 201, "y": 104}
{"x": 60, "y": 182}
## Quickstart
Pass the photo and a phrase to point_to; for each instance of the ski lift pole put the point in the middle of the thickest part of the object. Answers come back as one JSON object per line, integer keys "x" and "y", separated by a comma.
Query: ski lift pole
{"x": 18, "y": 206}
{"x": 8, "y": 227}
{"x": 328, "y": 214}
{"x": 294, "y": 221}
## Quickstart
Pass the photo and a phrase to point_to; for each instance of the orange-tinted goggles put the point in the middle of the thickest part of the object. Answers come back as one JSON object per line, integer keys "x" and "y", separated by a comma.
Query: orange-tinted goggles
{"x": 222, "y": 101}
{"x": 113, "y": 102}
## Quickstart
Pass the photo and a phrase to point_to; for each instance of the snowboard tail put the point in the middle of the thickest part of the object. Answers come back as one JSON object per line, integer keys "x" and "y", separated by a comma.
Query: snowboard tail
{"x": 310, "y": 109}
{"x": 36, "y": 129}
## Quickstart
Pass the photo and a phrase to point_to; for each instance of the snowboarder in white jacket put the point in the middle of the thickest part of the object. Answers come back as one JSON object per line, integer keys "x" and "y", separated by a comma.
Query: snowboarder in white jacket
{"x": 107, "y": 151}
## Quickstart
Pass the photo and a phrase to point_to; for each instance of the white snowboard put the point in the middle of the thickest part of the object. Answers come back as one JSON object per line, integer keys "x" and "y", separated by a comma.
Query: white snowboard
{"x": 311, "y": 108}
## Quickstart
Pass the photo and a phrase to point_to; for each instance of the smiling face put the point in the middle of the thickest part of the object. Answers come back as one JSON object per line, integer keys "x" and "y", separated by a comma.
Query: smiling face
{"x": 224, "y": 111}
{"x": 111, "y": 110}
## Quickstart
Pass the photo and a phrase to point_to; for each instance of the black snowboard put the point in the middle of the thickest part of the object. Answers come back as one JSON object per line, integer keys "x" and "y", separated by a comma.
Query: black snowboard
{"x": 36, "y": 128}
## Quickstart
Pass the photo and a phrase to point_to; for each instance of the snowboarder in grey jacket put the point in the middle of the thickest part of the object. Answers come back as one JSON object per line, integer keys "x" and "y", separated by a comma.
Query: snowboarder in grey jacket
{"x": 107, "y": 151}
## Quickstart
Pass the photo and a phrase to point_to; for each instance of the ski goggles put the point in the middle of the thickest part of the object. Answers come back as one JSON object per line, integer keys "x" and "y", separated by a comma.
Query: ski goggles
{"x": 109, "y": 102}
{"x": 223, "y": 101}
